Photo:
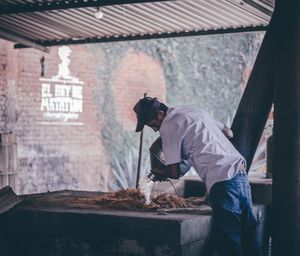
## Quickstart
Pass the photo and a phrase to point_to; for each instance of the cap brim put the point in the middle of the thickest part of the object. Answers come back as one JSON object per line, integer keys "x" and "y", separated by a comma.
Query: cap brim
{"x": 140, "y": 125}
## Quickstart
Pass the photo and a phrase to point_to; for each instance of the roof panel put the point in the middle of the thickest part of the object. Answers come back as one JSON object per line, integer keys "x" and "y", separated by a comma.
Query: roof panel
{"x": 54, "y": 22}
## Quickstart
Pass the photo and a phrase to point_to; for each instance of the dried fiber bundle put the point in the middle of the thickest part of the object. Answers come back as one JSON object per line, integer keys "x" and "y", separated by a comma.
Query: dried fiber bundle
{"x": 169, "y": 201}
{"x": 124, "y": 199}
{"x": 135, "y": 199}
{"x": 129, "y": 199}
{"x": 131, "y": 193}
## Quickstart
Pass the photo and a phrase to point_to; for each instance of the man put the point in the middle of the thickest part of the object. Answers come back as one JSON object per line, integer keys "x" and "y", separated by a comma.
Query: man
{"x": 191, "y": 135}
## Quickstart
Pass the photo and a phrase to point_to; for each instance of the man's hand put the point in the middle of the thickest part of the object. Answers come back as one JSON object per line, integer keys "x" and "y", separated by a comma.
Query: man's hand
{"x": 227, "y": 132}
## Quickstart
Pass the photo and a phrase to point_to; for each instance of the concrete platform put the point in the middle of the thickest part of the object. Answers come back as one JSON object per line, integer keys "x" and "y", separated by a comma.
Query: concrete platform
{"x": 44, "y": 228}
{"x": 135, "y": 233}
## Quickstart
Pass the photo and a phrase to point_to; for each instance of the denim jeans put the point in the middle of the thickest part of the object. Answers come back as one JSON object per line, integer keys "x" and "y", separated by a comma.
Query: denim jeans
{"x": 234, "y": 224}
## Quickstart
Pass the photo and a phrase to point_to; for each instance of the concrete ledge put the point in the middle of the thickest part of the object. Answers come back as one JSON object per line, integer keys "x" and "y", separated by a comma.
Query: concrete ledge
{"x": 172, "y": 229}
{"x": 261, "y": 189}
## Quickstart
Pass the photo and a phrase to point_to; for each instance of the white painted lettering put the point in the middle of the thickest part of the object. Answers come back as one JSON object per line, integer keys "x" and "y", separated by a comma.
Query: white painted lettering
{"x": 45, "y": 104}
{"x": 62, "y": 95}
{"x": 46, "y": 90}
{"x": 77, "y": 92}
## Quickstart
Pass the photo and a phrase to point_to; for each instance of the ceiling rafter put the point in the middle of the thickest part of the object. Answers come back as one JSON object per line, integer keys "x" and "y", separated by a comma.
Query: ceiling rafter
{"x": 9, "y": 35}
{"x": 146, "y": 37}
{"x": 64, "y": 4}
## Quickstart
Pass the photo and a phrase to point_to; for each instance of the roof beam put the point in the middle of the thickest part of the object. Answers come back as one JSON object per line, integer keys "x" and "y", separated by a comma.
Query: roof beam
{"x": 59, "y": 5}
{"x": 257, "y": 5}
{"x": 267, "y": 9}
{"x": 154, "y": 36}
{"x": 8, "y": 35}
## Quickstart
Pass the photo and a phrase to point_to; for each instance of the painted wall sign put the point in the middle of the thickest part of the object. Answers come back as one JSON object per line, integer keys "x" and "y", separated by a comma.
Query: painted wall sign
{"x": 61, "y": 95}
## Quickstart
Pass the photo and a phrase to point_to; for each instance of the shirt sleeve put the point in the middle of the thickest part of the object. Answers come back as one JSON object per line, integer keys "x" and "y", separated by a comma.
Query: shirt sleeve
{"x": 172, "y": 143}
{"x": 220, "y": 125}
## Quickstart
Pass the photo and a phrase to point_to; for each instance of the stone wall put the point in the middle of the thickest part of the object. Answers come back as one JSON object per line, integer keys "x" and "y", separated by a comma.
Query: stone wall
{"x": 94, "y": 146}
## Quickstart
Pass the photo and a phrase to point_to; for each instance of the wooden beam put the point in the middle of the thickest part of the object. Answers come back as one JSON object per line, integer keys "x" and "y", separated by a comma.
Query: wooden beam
{"x": 255, "y": 105}
{"x": 286, "y": 135}
{"x": 146, "y": 37}
{"x": 8, "y": 35}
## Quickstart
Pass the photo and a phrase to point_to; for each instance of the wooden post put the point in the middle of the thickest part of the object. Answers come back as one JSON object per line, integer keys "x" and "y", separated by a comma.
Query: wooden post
{"x": 286, "y": 135}
{"x": 255, "y": 105}
{"x": 8, "y": 160}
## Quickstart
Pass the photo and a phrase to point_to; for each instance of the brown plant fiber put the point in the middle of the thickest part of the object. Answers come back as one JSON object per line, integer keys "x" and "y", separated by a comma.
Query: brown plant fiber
{"x": 129, "y": 199}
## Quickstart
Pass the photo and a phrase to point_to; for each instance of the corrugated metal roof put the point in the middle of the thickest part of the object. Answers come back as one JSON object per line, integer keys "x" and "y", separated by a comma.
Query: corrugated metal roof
{"x": 73, "y": 21}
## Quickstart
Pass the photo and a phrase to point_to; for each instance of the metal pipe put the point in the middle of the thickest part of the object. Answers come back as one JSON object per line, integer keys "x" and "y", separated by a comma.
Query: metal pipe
{"x": 140, "y": 156}
{"x": 140, "y": 160}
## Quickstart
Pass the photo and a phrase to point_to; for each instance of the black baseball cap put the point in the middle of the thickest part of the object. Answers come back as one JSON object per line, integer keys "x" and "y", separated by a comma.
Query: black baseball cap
{"x": 145, "y": 110}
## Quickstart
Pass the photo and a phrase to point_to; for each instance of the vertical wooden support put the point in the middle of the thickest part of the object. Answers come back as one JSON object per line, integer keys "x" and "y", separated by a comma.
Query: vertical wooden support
{"x": 256, "y": 103}
{"x": 286, "y": 135}
{"x": 8, "y": 160}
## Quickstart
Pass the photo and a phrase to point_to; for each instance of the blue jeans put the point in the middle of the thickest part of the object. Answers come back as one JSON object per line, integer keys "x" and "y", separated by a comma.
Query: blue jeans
{"x": 234, "y": 224}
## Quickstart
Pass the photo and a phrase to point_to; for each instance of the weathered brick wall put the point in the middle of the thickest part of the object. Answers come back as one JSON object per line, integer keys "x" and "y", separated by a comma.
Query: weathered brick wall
{"x": 137, "y": 73}
{"x": 54, "y": 155}
{"x": 101, "y": 153}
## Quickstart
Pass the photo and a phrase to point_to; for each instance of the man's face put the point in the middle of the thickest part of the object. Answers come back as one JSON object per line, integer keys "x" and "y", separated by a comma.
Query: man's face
{"x": 155, "y": 123}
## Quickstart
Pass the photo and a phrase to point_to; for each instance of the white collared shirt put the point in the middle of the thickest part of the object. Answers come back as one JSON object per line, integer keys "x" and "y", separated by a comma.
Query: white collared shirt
{"x": 189, "y": 133}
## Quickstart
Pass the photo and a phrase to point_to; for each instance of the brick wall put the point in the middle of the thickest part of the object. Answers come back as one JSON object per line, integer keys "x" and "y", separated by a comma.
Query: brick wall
{"x": 138, "y": 73}
{"x": 52, "y": 154}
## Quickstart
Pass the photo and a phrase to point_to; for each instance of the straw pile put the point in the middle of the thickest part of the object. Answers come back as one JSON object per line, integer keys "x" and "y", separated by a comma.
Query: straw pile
{"x": 134, "y": 199}
{"x": 128, "y": 199}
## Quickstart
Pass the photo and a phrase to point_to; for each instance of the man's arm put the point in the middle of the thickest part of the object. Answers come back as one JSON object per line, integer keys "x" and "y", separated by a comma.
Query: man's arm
{"x": 170, "y": 171}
